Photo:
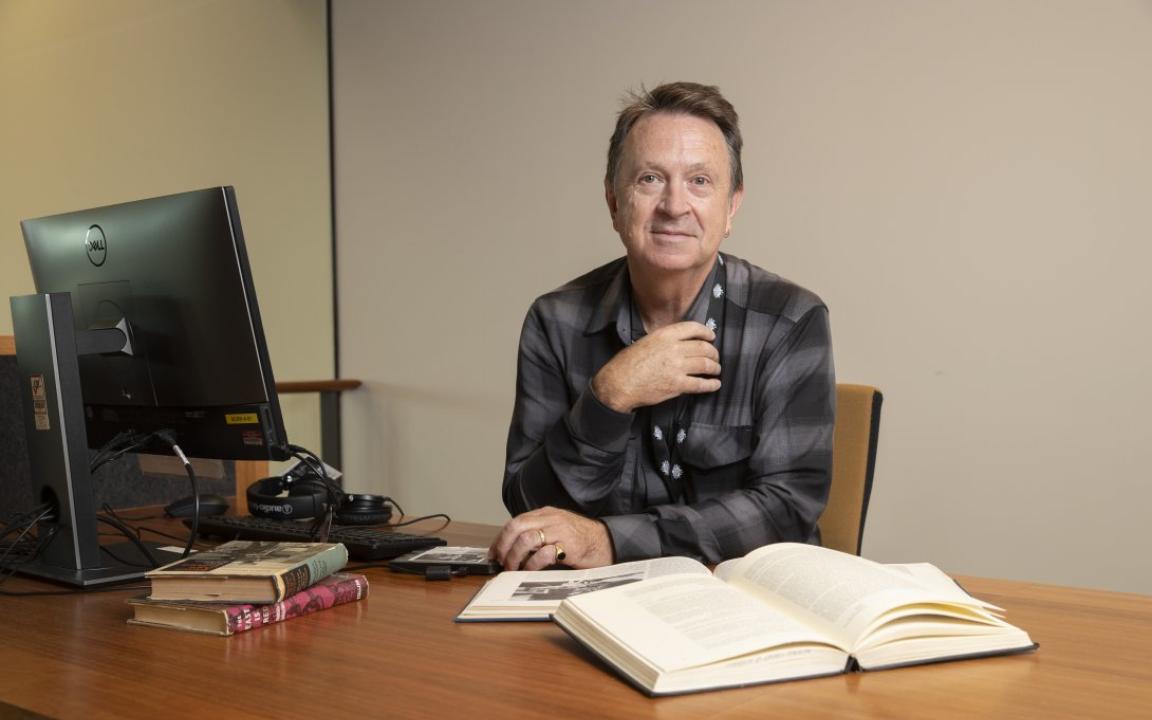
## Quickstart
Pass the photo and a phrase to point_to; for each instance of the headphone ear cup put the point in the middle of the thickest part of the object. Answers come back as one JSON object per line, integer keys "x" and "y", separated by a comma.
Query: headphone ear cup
{"x": 364, "y": 510}
{"x": 305, "y": 499}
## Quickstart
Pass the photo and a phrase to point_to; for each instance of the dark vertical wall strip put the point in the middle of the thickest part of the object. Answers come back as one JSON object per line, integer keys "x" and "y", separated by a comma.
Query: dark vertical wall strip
{"x": 332, "y": 196}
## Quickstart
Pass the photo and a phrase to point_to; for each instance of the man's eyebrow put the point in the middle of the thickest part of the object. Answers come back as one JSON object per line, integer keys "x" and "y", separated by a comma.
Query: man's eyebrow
{"x": 703, "y": 166}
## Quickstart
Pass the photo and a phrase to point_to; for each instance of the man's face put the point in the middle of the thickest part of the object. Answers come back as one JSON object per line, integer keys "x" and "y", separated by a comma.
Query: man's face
{"x": 672, "y": 202}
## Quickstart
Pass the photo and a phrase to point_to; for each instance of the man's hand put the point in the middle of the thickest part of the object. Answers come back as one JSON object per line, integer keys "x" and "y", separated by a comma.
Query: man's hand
{"x": 533, "y": 540}
{"x": 664, "y": 364}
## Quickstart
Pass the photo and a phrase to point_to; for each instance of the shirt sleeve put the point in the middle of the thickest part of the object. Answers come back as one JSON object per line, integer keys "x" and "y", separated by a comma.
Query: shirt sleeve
{"x": 789, "y": 469}
{"x": 563, "y": 451}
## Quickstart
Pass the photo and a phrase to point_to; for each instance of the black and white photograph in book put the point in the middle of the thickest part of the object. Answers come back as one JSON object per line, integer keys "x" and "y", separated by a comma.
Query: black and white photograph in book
{"x": 560, "y": 589}
{"x": 450, "y": 555}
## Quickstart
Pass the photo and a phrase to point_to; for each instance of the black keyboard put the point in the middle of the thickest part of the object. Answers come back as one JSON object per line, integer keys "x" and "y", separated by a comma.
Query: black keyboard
{"x": 363, "y": 543}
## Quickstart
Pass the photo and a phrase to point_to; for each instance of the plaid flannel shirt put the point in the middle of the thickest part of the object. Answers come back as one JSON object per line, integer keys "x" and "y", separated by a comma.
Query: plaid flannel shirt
{"x": 758, "y": 453}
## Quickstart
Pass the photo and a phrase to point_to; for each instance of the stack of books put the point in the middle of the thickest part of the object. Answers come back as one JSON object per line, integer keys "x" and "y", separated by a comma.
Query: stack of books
{"x": 242, "y": 585}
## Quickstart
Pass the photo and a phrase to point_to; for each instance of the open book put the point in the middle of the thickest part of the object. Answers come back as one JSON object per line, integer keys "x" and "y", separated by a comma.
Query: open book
{"x": 535, "y": 595}
{"x": 782, "y": 612}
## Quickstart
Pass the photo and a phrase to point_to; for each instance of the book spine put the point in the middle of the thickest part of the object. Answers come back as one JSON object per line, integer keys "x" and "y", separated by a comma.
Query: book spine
{"x": 314, "y": 570}
{"x": 326, "y": 594}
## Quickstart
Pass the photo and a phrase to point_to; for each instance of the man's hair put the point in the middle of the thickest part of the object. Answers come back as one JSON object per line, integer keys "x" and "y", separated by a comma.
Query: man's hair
{"x": 702, "y": 101}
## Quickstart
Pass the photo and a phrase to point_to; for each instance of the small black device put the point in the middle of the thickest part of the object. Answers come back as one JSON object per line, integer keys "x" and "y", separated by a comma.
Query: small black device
{"x": 363, "y": 543}
{"x": 210, "y": 504}
{"x": 453, "y": 560}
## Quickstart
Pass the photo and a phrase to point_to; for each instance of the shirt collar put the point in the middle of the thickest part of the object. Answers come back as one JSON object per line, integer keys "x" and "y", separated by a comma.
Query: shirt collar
{"x": 614, "y": 306}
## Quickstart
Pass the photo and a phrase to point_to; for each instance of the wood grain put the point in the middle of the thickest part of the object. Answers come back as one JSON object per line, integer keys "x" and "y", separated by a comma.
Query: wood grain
{"x": 247, "y": 472}
{"x": 398, "y": 654}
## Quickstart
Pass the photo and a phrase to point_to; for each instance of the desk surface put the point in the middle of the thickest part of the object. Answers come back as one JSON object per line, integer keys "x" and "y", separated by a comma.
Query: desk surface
{"x": 398, "y": 654}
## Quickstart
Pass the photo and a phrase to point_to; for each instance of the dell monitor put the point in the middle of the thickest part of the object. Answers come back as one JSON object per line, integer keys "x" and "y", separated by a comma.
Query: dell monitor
{"x": 145, "y": 320}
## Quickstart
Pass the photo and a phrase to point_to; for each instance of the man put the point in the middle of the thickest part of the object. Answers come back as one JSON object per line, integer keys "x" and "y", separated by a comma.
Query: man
{"x": 676, "y": 401}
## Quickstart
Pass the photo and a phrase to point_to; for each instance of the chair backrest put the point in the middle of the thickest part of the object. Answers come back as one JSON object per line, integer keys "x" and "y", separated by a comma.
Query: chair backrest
{"x": 853, "y": 462}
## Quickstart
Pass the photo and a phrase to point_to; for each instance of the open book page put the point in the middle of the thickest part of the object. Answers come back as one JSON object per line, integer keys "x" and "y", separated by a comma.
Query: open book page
{"x": 925, "y": 574}
{"x": 526, "y": 594}
{"x": 936, "y": 580}
{"x": 844, "y": 595}
{"x": 684, "y": 621}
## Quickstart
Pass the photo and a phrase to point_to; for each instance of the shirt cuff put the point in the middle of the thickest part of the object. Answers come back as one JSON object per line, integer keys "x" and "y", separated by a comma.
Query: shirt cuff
{"x": 591, "y": 421}
{"x": 634, "y": 537}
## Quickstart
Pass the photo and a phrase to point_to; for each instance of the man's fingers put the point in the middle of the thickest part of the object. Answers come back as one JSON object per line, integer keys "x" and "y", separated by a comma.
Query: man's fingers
{"x": 699, "y": 385}
{"x": 542, "y": 558}
{"x": 519, "y": 539}
{"x": 688, "y": 330}
{"x": 700, "y": 348}
{"x": 701, "y": 366}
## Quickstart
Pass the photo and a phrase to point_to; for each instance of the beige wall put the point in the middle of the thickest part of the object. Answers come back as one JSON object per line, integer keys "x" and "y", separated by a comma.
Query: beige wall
{"x": 124, "y": 99}
{"x": 965, "y": 183}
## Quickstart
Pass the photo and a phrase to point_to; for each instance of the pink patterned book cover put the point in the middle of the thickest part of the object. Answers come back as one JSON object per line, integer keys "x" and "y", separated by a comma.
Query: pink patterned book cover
{"x": 221, "y": 619}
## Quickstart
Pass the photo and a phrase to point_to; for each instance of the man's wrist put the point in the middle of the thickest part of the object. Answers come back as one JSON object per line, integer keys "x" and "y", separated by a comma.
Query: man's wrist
{"x": 610, "y": 398}
{"x": 593, "y": 423}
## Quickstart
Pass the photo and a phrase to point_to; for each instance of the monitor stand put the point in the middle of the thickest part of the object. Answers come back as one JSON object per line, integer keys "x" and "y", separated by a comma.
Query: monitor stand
{"x": 47, "y": 352}
{"x": 131, "y": 565}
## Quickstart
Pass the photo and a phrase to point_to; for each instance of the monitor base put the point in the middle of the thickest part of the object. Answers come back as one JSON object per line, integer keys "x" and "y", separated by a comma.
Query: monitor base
{"x": 124, "y": 562}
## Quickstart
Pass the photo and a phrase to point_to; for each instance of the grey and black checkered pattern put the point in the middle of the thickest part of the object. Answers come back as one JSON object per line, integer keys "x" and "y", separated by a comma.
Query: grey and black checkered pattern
{"x": 758, "y": 452}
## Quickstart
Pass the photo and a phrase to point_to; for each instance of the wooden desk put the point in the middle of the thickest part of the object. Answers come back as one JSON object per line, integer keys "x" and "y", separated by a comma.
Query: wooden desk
{"x": 399, "y": 655}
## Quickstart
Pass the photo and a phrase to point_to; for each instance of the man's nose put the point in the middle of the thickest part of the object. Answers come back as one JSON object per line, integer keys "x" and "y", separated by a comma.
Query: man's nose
{"x": 674, "y": 200}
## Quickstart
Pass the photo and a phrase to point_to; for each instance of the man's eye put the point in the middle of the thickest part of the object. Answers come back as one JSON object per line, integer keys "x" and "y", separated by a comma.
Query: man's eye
{"x": 700, "y": 180}
{"x": 648, "y": 179}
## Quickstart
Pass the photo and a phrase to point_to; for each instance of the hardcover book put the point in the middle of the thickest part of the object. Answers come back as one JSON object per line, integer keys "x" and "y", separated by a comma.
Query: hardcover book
{"x": 224, "y": 619}
{"x": 244, "y": 571}
{"x": 783, "y": 612}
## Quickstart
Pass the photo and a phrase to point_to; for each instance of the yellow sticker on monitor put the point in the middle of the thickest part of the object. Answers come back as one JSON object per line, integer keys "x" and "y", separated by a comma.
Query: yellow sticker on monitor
{"x": 242, "y": 419}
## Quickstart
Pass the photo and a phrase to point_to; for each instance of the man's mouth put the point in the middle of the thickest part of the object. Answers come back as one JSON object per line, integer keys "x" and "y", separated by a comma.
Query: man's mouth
{"x": 671, "y": 232}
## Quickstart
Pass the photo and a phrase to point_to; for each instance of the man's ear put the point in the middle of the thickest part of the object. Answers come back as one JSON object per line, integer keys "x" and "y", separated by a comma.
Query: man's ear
{"x": 737, "y": 199}
{"x": 733, "y": 205}
{"x": 613, "y": 207}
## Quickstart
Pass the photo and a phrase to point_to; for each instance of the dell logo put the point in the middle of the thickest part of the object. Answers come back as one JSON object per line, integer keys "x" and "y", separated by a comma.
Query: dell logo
{"x": 96, "y": 245}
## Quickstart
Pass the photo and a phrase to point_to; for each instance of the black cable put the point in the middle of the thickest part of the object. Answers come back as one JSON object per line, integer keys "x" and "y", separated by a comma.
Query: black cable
{"x": 447, "y": 520}
{"x": 41, "y": 543}
{"x": 26, "y": 528}
{"x": 129, "y": 563}
{"x": 194, "y": 528}
{"x": 134, "y": 442}
{"x": 138, "y": 529}
{"x": 27, "y": 519}
{"x": 323, "y": 525}
{"x": 169, "y": 437}
{"x": 117, "y": 440}
{"x": 313, "y": 461}
{"x": 133, "y": 537}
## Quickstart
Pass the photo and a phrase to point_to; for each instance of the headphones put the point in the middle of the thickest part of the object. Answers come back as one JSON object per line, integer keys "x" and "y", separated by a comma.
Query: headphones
{"x": 309, "y": 498}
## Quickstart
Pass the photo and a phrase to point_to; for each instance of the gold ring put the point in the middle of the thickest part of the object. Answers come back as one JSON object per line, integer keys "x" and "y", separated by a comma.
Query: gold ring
{"x": 543, "y": 540}
{"x": 560, "y": 554}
